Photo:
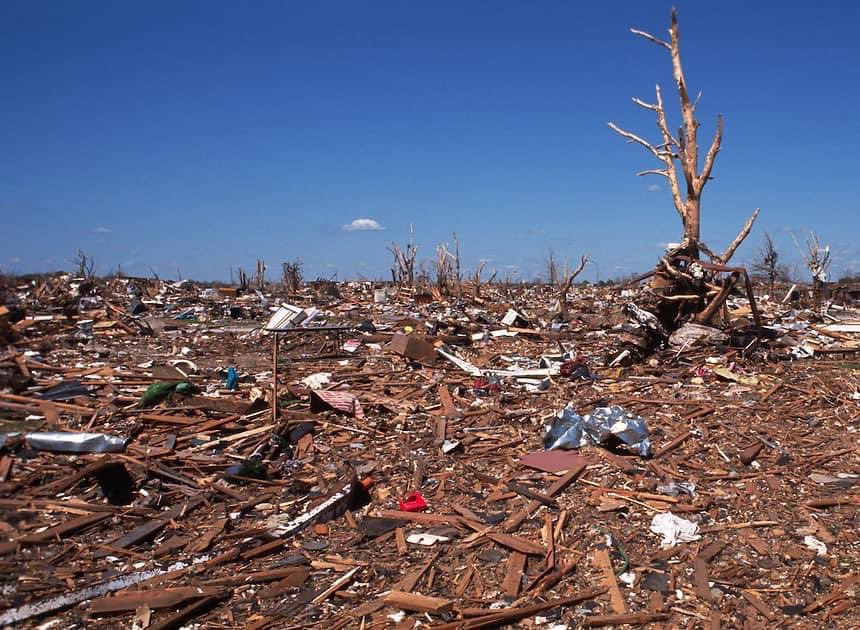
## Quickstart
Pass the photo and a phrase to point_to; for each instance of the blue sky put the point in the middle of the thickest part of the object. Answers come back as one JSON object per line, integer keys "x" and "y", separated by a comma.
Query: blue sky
{"x": 194, "y": 137}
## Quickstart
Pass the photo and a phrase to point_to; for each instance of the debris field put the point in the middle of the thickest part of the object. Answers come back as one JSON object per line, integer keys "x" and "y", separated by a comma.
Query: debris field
{"x": 354, "y": 456}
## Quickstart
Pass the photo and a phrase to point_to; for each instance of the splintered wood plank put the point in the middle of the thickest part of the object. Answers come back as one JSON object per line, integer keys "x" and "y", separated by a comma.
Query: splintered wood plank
{"x": 179, "y": 618}
{"x": 514, "y": 574}
{"x": 506, "y": 616}
{"x": 203, "y": 542}
{"x": 759, "y": 605}
{"x": 517, "y": 544}
{"x": 700, "y": 577}
{"x": 604, "y": 563}
{"x": 549, "y": 559}
{"x": 463, "y": 582}
{"x": 408, "y": 582}
{"x": 448, "y": 407}
{"x": 400, "y": 537}
{"x": 150, "y": 528}
{"x": 336, "y": 586}
{"x": 617, "y": 620}
{"x": 63, "y": 529}
{"x": 513, "y": 523}
{"x": 154, "y": 598}
{"x": 414, "y": 602}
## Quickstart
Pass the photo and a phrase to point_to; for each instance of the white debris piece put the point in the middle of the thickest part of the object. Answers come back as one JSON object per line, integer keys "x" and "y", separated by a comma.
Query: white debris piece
{"x": 674, "y": 529}
{"x": 427, "y": 540}
{"x": 816, "y": 545}
{"x": 315, "y": 381}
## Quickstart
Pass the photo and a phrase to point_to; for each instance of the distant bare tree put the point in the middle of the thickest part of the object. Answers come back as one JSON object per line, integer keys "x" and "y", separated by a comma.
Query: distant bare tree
{"x": 449, "y": 278}
{"x": 242, "y": 279}
{"x": 458, "y": 277}
{"x": 551, "y": 267}
{"x": 476, "y": 279}
{"x": 565, "y": 284}
{"x": 292, "y": 278}
{"x": 444, "y": 268}
{"x": 767, "y": 263}
{"x": 260, "y": 274}
{"x": 816, "y": 258}
{"x": 85, "y": 263}
{"x": 403, "y": 267}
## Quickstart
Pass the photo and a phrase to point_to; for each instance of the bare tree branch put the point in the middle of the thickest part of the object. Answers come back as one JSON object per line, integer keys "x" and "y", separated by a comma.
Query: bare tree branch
{"x": 632, "y": 137}
{"x": 745, "y": 230}
{"x": 690, "y": 157}
{"x": 650, "y": 38}
{"x": 707, "y": 251}
{"x": 705, "y": 175}
{"x": 668, "y": 138}
{"x": 565, "y": 288}
{"x": 671, "y": 172}
{"x": 645, "y": 105}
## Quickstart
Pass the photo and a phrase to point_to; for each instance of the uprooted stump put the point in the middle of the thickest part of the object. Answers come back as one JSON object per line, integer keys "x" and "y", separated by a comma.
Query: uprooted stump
{"x": 686, "y": 301}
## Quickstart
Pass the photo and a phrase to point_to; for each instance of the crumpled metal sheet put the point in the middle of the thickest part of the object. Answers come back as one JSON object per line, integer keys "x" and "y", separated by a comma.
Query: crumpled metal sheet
{"x": 569, "y": 430}
{"x": 76, "y": 442}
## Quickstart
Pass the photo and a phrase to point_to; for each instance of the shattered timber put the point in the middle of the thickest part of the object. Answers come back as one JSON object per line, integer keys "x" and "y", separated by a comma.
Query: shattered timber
{"x": 679, "y": 452}
{"x": 148, "y": 478}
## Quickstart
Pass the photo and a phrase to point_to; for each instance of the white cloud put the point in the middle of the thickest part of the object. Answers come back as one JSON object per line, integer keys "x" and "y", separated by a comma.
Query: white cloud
{"x": 102, "y": 230}
{"x": 654, "y": 188}
{"x": 14, "y": 260}
{"x": 362, "y": 225}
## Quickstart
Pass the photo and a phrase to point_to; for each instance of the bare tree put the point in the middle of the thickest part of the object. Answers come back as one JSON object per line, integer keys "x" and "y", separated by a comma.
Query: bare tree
{"x": 551, "y": 267}
{"x": 448, "y": 274}
{"x": 242, "y": 279}
{"x": 457, "y": 276}
{"x": 260, "y": 274}
{"x": 292, "y": 278}
{"x": 565, "y": 284}
{"x": 680, "y": 154}
{"x": 403, "y": 267}
{"x": 476, "y": 279}
{"x": 86, "y": 264}
{"x": 767, "y": 264}
{"x": 444, "y": 267}
{"x": 816, "y": 258}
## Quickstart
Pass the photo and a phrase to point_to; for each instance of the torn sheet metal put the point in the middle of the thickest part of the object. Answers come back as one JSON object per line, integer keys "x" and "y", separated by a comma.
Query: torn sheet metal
{"x": 570, "y": 430}
{"x": 338, "y": 503}
{"x": 28, "y": 611}
{"x": 60, "y": 442}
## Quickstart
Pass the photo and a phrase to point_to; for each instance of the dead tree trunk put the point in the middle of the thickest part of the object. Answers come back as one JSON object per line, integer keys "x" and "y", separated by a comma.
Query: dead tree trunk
{"x": 292, "y": 276}
{"x": 680, "y": 155}
{"x": 403, "y": 268}
{"x": 564, "y": 286}
{"x": 686, "y": 286}
{"x": 817, "y": 260}
{"x": 260, "y": 274}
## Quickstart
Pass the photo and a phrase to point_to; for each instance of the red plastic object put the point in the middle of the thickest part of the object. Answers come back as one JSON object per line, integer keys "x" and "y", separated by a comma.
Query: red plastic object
{"x": 413, "y": 503}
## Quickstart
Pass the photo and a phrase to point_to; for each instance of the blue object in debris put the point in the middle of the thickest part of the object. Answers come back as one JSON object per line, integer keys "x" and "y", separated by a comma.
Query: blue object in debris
{"x": 232, "y": 378}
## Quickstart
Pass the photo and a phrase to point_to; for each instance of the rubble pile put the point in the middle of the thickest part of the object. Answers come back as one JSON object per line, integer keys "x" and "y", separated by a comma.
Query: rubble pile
{"x": 357, "y": 455}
